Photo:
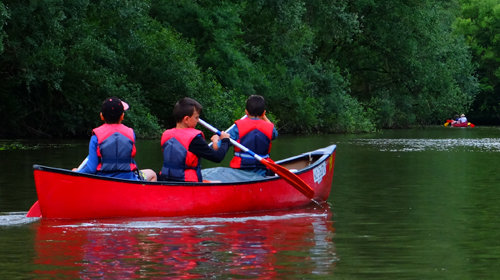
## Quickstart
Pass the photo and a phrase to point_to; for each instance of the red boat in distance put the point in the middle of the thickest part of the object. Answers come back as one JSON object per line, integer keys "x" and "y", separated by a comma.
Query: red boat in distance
{"x": 468, "y": 124}
{"x": 64, "y": 194}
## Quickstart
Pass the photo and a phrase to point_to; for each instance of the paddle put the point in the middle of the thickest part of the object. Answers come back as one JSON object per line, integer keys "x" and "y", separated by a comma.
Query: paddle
{"x": 229, "y": 129}
{"x": 82, "y": 165}
{"x": 284, "y": 173}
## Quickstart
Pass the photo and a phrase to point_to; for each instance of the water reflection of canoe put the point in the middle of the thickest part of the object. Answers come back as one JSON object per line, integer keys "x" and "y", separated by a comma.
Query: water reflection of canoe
{"x": 264, "y": 246}
{"x": 70, "y": 195}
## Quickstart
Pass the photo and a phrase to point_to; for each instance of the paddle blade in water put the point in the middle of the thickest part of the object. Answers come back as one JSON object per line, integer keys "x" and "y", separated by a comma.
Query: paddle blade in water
{"x": 446, "y": 123}
{"x": 290, "y": 177}
{"x": 35, "y": 211}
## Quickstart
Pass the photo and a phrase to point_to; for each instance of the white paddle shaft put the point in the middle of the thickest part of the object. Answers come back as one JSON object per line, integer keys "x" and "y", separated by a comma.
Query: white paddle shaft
{"x": 243, "y": 148}
{"x": 82, "y": 165}
{"x": 229, "y": 129}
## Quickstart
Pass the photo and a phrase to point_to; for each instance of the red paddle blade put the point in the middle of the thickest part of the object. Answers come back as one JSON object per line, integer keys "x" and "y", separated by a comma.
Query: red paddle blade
{"x": 471, "y": 125}
{"x": 35, "y": 211}
{"x": 291, "y": 178}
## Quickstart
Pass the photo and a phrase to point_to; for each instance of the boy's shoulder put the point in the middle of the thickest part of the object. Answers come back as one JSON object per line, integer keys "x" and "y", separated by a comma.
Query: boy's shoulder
{"x": 183, "y": 131}
{"x": 107, "y": 129}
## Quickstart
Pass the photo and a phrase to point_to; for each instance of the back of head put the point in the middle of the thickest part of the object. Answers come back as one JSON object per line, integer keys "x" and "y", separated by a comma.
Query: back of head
{"x": 256, "y": 105}
{"x": 112, "y": 109}
{"x": 186, "y": 107}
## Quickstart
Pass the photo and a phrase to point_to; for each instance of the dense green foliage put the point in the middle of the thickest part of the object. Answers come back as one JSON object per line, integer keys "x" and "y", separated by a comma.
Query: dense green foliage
{"x": 410, "y": 68}
{"x": 480, "y": 23}
{"x": 327, "y": 66}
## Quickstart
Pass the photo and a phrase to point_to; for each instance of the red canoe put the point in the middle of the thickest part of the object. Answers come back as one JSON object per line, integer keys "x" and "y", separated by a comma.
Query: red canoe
{"x": 467, "y": 124}
{"x": 64, "y": 194}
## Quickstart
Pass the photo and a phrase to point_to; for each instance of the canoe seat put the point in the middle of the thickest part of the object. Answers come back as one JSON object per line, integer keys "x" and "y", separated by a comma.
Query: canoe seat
{"x": 229, "y": 175}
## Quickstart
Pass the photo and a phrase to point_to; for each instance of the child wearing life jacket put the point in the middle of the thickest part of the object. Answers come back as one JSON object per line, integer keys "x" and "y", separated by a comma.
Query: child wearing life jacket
{"x": 112, "y": 146}
{"x": 184, "y": 146}
{"x": 256, "y": 133}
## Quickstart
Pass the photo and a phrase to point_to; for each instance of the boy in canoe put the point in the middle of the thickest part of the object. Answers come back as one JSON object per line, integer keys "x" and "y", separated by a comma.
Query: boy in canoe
{"x": 256, "y": 133}
{"x": 184, "y": 146}
{"x": 112, "y": 146}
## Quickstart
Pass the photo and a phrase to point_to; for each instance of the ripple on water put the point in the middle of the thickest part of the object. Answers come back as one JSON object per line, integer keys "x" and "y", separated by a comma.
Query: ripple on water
{"x": 418, "y": 145}
{"x": 181, "y": 223}
{"x": 15, "y": 218}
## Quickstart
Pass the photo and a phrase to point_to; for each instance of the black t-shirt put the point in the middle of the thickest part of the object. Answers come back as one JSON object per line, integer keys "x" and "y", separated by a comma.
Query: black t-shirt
{"x": 201, "y": 149}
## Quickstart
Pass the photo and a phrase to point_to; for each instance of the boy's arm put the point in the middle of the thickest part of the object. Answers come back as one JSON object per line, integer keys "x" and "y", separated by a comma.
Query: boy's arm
{"x": 216, "y": 142}
{"x": 201, "y": 149}
{"x": 275, "y": 134}
{"x": 264, "y": 117}
{"x": 91, "y": 166}
{"x": 233, "y": 133}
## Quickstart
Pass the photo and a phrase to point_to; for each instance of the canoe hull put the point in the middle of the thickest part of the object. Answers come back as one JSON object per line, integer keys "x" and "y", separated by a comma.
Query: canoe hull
{"x": 460, "y": 125}
{"x": 69, "y": 195}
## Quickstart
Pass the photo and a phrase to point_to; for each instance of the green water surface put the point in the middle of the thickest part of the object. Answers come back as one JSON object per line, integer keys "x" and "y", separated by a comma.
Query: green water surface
{"x": 405, "y": 204}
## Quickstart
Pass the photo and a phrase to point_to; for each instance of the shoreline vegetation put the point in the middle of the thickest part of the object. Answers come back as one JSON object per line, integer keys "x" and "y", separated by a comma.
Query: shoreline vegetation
{"x": 324, "y": 66}
{"x": 19, "y": 145}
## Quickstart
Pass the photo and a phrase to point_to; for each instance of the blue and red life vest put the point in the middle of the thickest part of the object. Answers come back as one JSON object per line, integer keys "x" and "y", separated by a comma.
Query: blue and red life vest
{"x": 256, "y": 135}
{"x": 115, "y": 148}
{"x": 179, "y": 164}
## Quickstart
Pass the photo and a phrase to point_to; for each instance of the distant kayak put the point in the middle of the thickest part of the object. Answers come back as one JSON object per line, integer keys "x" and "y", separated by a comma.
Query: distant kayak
{"x": 467, "y": 124}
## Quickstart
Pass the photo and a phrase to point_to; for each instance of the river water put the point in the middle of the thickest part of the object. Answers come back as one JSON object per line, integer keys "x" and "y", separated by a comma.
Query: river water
{"x": 405, "y": 204}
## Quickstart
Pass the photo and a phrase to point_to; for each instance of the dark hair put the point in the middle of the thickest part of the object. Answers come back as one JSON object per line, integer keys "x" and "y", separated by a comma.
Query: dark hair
{"x": 112, "y": 109}
{"x": 186, "y": 107}
{"x": 256, "y": 105}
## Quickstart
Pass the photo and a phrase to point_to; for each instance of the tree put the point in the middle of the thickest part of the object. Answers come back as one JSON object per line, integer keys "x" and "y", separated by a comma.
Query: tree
{"x": 479, "y": 23}
{"x": 406, "y": 64}
{"x": 324, "y": 66}
{"x": 62, "y": 59}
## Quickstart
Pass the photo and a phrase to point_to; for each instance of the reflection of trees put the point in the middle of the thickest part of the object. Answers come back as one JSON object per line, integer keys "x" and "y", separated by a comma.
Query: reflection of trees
{"x": 266, "y": 246}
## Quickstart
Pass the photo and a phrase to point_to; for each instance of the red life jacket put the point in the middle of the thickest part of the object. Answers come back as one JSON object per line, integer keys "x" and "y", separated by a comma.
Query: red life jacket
{"x": 115, "y": 148}
{"x": 256, "y": 135}
{"x": 179, "y": 164}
